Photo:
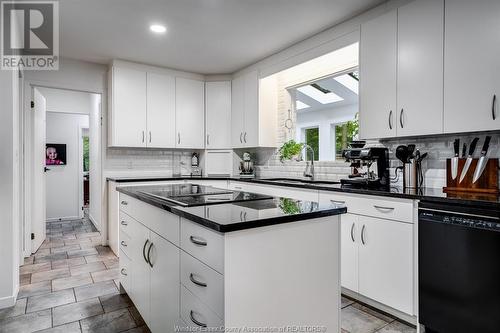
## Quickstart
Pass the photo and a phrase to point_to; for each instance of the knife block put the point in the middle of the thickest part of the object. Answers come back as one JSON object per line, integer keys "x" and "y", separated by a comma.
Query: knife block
{"x": 487, "y": 183}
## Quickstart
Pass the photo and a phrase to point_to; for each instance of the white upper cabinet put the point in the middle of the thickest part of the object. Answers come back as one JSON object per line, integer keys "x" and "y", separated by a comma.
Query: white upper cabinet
{"x": 472, "y": 66}
{"x": 190, "y": 113}
{"x": 420, "y": 68}
{"x": 254, "y": 111}
{"x": 218, "y": 114}
{"x": 377, "y": 71}
{"x": 238, "y": 112}
{"x": 160, "y": 111}
{"x": 128, "y": 108}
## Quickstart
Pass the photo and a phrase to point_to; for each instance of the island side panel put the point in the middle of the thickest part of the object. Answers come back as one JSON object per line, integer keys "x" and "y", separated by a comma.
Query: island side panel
{"x": 287, "y": 274}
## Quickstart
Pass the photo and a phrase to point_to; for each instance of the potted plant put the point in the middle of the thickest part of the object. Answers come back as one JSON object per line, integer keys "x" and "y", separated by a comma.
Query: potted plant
{"x": 291, "y": 150}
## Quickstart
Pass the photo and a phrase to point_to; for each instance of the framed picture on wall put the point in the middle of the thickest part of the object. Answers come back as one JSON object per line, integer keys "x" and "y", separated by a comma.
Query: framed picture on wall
{"x": 55, "y": 154}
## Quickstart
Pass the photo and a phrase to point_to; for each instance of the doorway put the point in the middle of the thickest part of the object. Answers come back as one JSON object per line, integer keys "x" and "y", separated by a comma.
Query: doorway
{"x": 63, "y": 180}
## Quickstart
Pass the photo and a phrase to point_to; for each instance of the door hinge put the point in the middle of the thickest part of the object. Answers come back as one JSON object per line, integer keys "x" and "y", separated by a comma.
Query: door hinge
{"x": 32, "y": 236}
{"x": 32, "y": 104}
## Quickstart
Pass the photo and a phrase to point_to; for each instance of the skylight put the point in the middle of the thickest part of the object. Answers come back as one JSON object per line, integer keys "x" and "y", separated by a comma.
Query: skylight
{"x": 301, "y": 105}
{"x": 321, "y": 97}
{"x": 348, "y": 81}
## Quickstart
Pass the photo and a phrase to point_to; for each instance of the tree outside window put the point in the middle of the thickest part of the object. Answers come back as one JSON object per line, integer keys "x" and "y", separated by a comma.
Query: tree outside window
{"x": 312, "y": 139}
{"x": 344, "y": 134}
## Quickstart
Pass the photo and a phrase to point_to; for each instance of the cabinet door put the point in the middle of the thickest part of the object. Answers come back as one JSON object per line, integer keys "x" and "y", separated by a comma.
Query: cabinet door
{"x": 386, "y": 262}
{"x": 160, "y": 111}
{"x": 377, "y": 66}
{"x": 251, "y": 132}
{"x": 140, "y": 272}
{"x": 190, "y": 113}
{"x": 165, "y": 280}
{"x": 349, "y": 251}
{"x": 472, "y": 66}
{"x": 128, "y": 114}
{"x": 218, "y": 114}
{"x": 420, "y": 68}
{"x": 237, "y": 111}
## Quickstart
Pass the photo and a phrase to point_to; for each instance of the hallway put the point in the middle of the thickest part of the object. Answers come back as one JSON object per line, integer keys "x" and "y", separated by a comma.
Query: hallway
{"x": 71, "y": 285}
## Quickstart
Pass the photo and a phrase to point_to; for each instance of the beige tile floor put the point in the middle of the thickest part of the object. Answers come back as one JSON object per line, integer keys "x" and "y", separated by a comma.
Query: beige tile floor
{"x": 71, "y": 285}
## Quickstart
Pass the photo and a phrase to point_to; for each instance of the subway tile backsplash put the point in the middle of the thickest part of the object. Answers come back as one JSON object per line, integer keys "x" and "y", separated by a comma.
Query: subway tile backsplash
{"x": 439, "y": 148}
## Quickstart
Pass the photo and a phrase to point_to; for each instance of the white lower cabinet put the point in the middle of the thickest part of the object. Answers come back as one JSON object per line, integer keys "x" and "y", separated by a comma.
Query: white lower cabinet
{"x": 349, "y": 252}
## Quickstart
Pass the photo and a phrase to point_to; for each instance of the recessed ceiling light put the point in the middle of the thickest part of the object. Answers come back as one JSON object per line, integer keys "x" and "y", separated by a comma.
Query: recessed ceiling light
{"x": 158, "y": 28}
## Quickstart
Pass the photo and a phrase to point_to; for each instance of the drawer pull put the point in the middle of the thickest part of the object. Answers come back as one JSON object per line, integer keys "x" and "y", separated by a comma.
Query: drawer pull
{"x": 196, "y": 282}
{"x": 384, "y": 208}
{"x": 124, "y": 203}
{"x": 124, "y": 223}
{"x": 363, "y": 234}
{"x": 352, "y": 232}
{"x": 144, "y": 251}
{"x": 149, "y": 253}
{"x": 124, "y": 272}
{"x": 123, "y": 243}
{"x": 197, "y": 241}
{"x": 193, "y": 319}
{"x": 336, "y": 202}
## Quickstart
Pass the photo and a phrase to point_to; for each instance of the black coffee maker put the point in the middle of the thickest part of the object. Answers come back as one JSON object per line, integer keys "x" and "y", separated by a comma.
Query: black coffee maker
{"x": 362, "y": 160}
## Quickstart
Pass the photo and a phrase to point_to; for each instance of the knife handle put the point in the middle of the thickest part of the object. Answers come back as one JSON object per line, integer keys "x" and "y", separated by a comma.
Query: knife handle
{"x": 464, "y": 150}
{"x": 456, "y": 146}
{"x": 472, "y": 147}
{"x": 486, "y": 145}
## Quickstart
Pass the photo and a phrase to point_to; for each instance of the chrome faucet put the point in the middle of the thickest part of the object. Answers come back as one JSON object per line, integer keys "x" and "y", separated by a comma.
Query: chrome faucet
{"x": 309, "y": 171}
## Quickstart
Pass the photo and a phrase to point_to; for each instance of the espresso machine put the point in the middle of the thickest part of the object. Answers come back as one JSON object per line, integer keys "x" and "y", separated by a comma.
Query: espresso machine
{"x": 369, "y": 167}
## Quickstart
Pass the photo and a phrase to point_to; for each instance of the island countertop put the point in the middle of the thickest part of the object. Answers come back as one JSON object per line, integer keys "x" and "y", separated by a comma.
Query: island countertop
{"x": 239, "y": 215}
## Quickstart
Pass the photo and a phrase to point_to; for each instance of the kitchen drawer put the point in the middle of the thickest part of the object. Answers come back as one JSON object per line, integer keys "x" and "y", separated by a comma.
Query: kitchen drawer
{"x": 204, "y": 244}
{"x": 158, "y": 220}
{"x": 125, "y": 263}
{"x": 126, "y": 244}
{"x": 125, "y": 222}
{"x": 195, "y": 313}
{"x": 393, "y": 209}
{"x": 203, "y": 282}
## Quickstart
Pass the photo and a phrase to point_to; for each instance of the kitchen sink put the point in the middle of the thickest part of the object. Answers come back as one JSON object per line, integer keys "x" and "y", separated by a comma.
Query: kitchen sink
{"x": 301, "y": 181}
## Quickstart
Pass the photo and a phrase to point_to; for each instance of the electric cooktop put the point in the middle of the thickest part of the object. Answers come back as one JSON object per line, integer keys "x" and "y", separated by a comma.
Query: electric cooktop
{"x": 188, "y": 195}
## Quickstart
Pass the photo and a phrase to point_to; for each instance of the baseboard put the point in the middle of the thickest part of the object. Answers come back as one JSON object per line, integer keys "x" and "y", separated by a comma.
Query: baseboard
{"x": 66, "y": 218}
{"x": 93, "y": 221}
{"x": 9, "y": 301}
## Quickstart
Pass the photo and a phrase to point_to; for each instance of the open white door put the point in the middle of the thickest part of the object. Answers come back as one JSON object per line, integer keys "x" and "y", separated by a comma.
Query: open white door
{"x": 38, "y": 228}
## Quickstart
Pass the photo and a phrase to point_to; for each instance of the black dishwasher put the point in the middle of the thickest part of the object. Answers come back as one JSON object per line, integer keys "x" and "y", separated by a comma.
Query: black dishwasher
{"x": 459, "y": 268}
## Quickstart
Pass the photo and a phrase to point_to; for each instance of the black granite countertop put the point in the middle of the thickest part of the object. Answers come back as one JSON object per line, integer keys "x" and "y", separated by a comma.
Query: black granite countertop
{"x": 424, "y": 194}
{"x": 239, "y": 215}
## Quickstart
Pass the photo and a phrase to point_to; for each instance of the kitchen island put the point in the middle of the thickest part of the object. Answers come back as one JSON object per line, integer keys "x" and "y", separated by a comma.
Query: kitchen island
{"x": 231, "y": 259}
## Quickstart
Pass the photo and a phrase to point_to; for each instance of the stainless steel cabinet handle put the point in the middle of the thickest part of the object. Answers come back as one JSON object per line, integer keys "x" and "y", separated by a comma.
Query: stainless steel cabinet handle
{"x": 149, "y": 253}
{"x": 337, "y": 202}
{"x": 124, "y": 223}
{"x": 178, "y": 138}
{"x": 149, "y": 136}
{"x": 245, "y": 137}
{"x": 123, "y": 243}
{"x": 199, "y": 323}
{"x": 363, "y": 234}
{"x": 390, "y": 119}
{"x": 493, "y": 107}
{"x": 241, "y": 136}
{"x": 142, "y": 136}
{"x": 196, "y": 241}
{"x": 401, "y": 118}
{"x": 245, "y": 216}
{"x": 208, "y": 139}
{"x": 383, "y": 208}
{"x": 124, "y": 203}
{"x": 352, "y": 232}
{"x": 144, "y": 251}
{"x": 196, "y": 282}
{"x": 241, "y": 215}
{"x": 123, "y": 271}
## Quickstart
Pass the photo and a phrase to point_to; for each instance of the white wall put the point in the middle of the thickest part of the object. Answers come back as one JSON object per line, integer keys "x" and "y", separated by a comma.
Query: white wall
{"x": 67, "y": 101}
{"x": 9, "y": 187}
{"x": 64, "y": 181}
{"x": 95, "y": 172}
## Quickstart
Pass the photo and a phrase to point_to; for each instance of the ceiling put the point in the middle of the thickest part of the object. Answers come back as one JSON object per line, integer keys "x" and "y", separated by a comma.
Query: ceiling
{"x": 335, "y": 85}
{"x": 203, "y": 36}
